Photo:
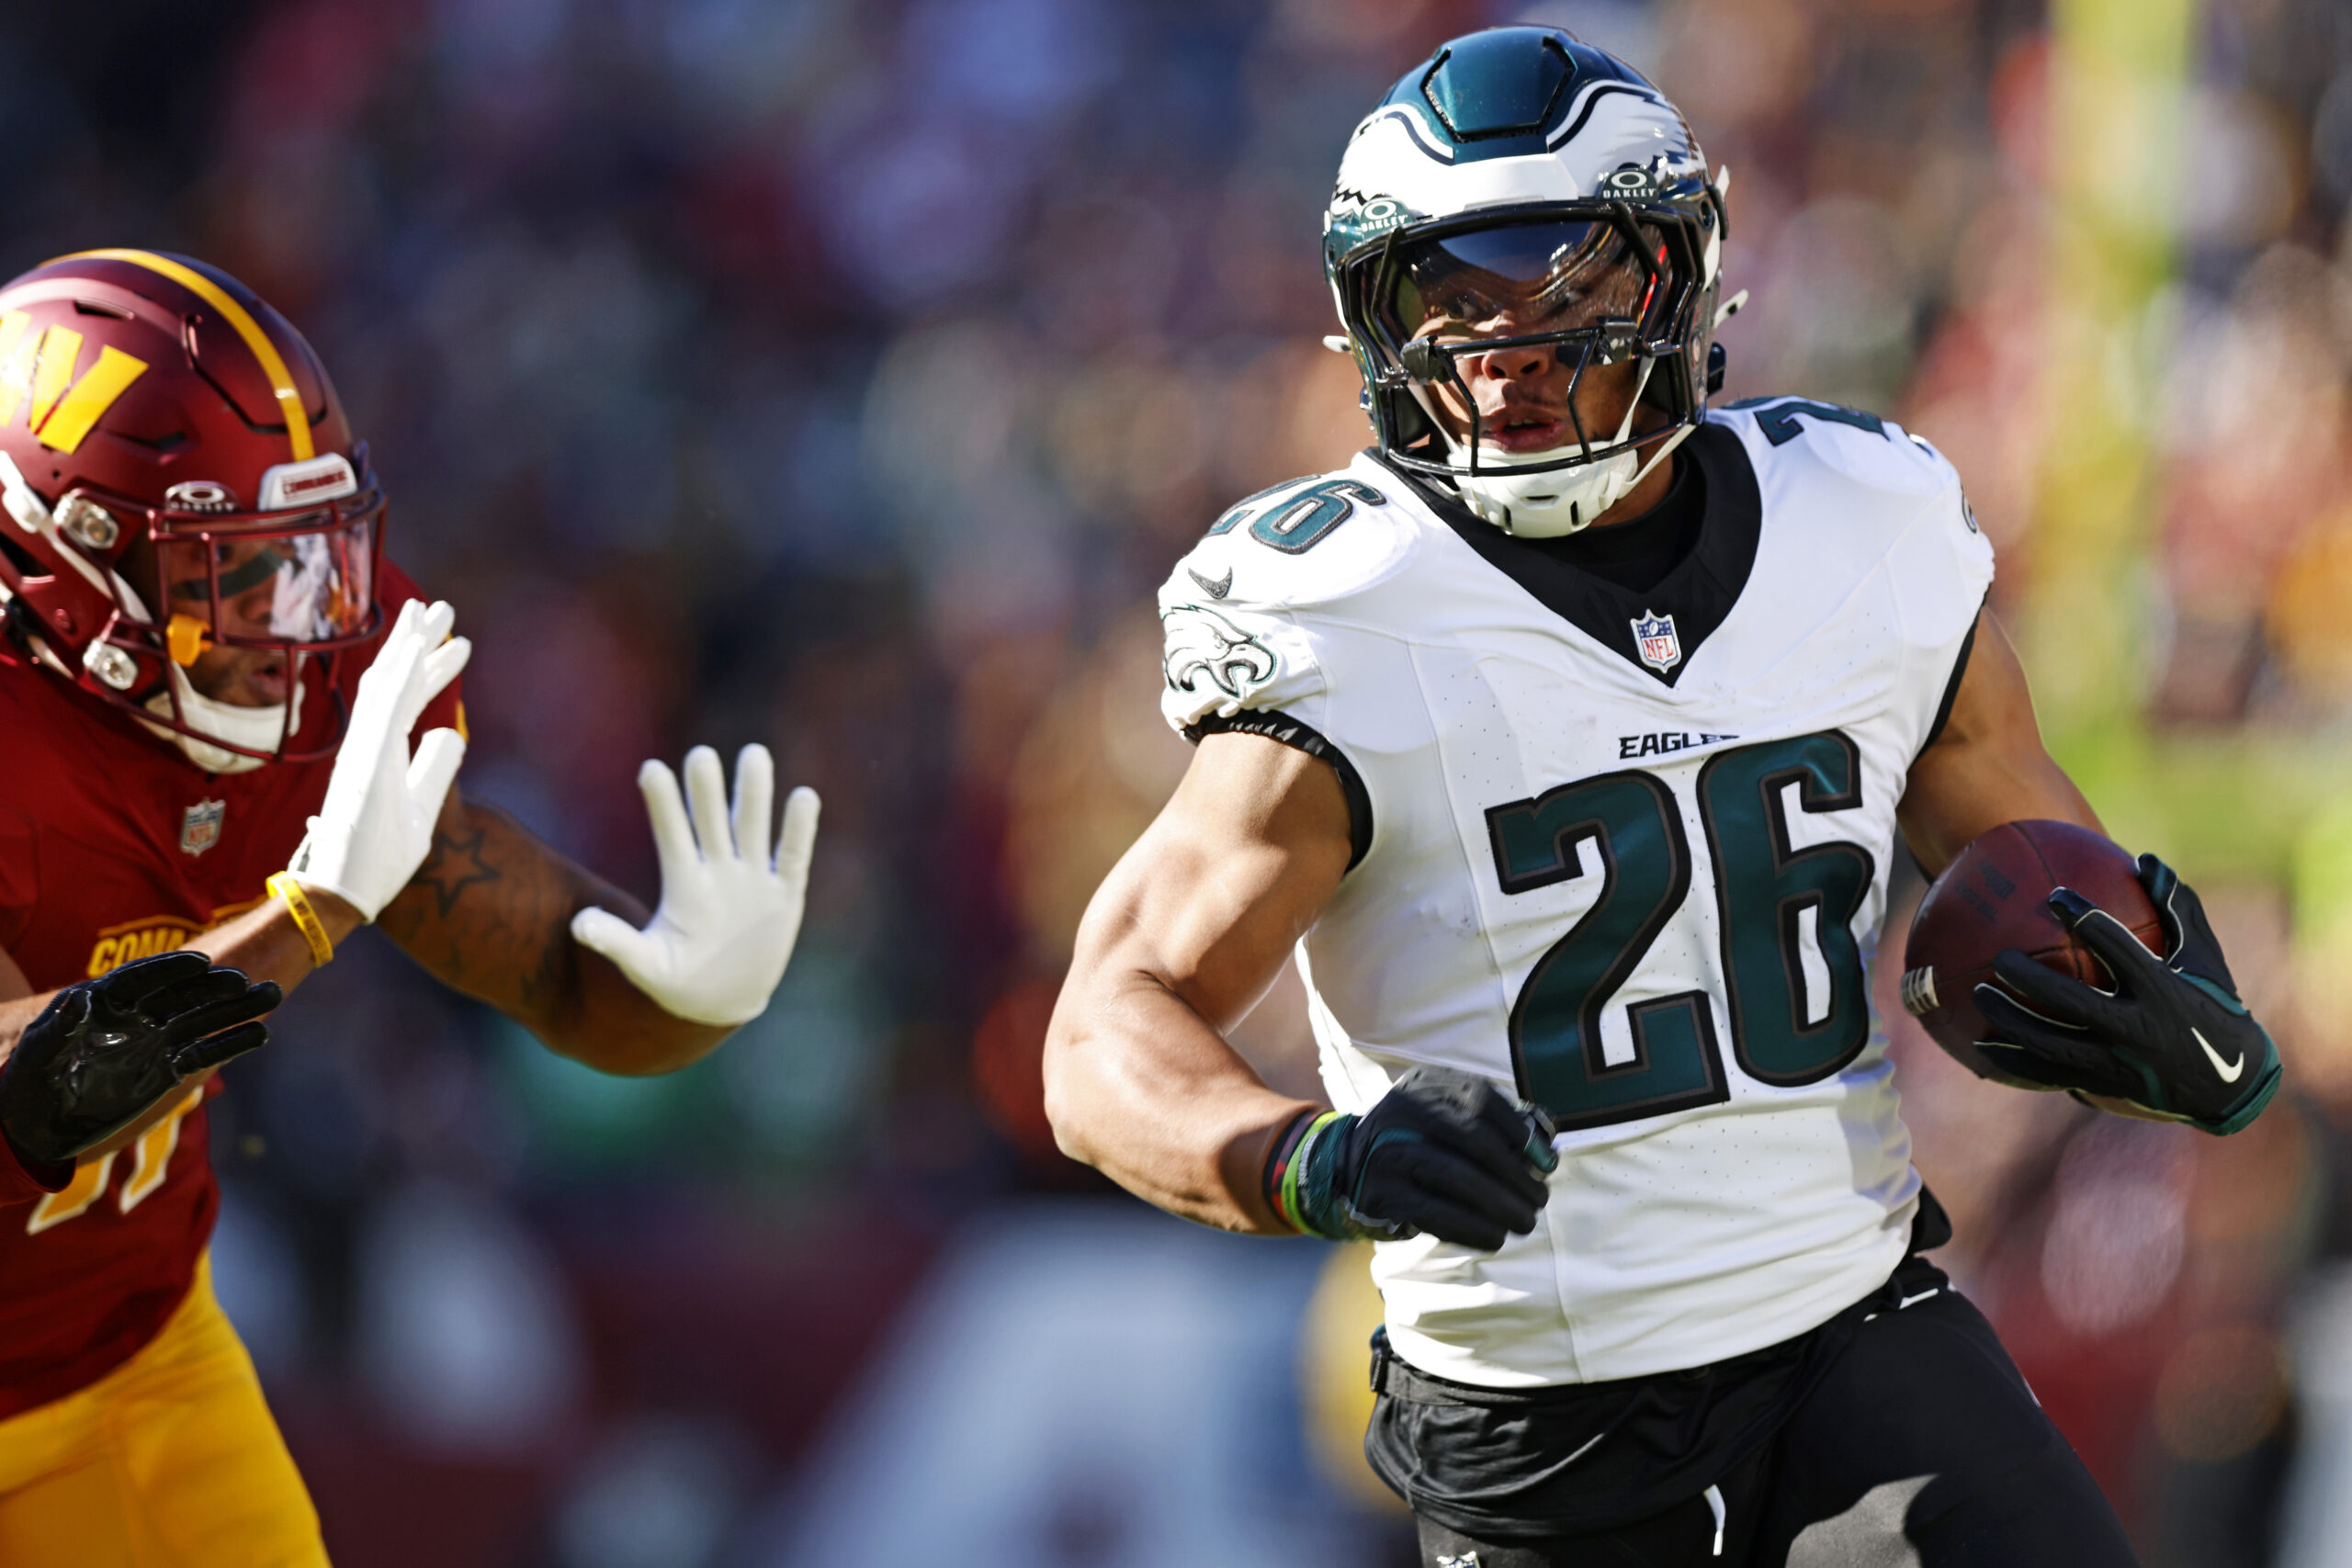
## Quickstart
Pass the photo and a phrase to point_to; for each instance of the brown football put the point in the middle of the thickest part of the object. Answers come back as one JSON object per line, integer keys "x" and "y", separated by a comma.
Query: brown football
{"x": 1993, "y": 896}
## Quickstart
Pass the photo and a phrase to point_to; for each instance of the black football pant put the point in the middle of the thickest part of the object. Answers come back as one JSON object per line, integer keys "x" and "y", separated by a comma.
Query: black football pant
{"x": 1921, "y": 1447}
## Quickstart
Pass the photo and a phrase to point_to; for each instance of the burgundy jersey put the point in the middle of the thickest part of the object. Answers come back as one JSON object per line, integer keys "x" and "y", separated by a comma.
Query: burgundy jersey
{"x": 113, "y": 846}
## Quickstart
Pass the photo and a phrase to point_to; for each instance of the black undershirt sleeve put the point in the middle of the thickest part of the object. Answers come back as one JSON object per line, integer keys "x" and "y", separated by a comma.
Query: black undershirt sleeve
{"x": 1275, "y": 725}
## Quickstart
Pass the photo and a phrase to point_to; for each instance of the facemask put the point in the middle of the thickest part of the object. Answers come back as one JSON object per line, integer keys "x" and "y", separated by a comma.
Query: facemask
{"x": 257, "y": 728}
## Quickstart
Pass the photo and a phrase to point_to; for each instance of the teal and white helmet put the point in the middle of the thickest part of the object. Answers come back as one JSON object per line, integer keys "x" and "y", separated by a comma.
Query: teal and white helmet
{"x": 1519, "y": 163}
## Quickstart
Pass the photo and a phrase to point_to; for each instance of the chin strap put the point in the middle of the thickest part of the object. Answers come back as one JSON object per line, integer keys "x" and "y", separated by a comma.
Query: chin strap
{"x": 1665, "y": 449}
{"x": 1500, "y": 496}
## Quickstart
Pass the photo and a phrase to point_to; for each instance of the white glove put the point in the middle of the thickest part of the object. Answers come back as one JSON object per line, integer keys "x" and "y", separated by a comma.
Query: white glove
{"x": 375, "y": 825}
{"x": 730, "y": 911}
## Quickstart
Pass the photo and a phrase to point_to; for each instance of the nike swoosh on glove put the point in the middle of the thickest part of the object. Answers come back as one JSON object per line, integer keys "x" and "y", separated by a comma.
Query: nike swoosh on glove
{"x": 104, "y": 1051}
{"x": 1442, "y": 1151}
{"x": 730, "y": 910}
{"x": 2171, "y": 1038}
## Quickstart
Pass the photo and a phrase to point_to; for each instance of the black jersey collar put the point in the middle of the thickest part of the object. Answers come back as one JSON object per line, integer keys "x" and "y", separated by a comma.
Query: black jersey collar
{"x": 1695, "y": 596}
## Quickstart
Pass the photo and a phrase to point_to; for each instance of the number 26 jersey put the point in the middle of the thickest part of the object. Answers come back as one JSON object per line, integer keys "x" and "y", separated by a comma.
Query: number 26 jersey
{"x": 1626, "y": 854}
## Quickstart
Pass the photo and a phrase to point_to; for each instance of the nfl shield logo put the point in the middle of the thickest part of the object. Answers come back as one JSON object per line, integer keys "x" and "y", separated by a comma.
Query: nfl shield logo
{"x": 201, "y": 826}
{"x": 1653, "y": 636}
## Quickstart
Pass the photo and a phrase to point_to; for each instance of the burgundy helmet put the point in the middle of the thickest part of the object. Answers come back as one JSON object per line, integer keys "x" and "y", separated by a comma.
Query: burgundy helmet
{"x": 178, "y": 477}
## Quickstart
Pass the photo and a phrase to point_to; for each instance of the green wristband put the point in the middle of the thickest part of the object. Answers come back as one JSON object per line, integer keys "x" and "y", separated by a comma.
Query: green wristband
{"x": 1307, "y": 1212}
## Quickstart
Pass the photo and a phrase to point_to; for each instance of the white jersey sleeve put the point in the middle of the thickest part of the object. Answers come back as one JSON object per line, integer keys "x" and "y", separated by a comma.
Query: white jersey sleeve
{"x": 1251, "y": 615}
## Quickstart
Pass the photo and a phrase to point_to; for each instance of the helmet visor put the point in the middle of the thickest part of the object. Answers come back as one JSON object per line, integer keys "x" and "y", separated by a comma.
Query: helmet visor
{"x": 307, "y": 585}
{"x": 1520, "y": 280}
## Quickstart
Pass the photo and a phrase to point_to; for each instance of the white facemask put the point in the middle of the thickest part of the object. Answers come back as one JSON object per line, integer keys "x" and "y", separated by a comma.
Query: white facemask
{"x": 1554, "y": 502}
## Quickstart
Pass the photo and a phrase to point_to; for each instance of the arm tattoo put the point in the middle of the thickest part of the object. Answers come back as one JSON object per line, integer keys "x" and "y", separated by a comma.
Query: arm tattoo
{"x": 455, "y": 865}
{"x": 489, "y": 914}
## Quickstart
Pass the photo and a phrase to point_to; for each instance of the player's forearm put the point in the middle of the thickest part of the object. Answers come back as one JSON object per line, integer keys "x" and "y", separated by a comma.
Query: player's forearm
{"x": 489, "y": 914}
{"x": 1955, "y": 800}
{"x": 1138, "y": 1086}
{"x": 1988, "y": 766}
{"x": 613, "y": 1027}
{"x": 264, "y": 942}
{"x": 267, "y": 943}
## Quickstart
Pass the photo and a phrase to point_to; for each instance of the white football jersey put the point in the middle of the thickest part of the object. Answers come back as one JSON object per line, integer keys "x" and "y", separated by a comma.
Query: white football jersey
{"x": 1626, "y": 854}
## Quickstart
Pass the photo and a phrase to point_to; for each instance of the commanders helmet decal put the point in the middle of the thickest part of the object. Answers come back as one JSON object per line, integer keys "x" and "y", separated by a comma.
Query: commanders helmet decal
{"x": 273, "y": 364}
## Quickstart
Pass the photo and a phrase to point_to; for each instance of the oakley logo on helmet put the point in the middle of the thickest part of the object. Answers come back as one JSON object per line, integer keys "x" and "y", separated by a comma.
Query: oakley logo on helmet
{"x": 324, "y": 478}
{"x": 200, "y": 495}
{"x": 63, "y": 408}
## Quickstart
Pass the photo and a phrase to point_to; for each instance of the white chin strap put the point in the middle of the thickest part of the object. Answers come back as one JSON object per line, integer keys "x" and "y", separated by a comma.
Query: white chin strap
{"x": 1555, "y": 501}
{"x": 260, "y": 728}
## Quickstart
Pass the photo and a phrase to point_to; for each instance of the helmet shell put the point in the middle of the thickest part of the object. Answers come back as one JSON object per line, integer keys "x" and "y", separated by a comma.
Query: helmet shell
{"x": 147, "y": 397}
{"x": 1512, "y": 125}
{"x": 229, "y": 389}
{"x": 1507, "y": 117}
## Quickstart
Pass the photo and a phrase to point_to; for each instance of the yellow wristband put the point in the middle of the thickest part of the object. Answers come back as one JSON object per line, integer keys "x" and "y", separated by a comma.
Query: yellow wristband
{"x": 306, "y": 919}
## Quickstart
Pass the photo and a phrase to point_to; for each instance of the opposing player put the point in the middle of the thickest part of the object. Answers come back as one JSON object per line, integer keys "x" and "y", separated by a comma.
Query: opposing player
{"x": 1567, "y": 735}
{"x": 210, "y": 682}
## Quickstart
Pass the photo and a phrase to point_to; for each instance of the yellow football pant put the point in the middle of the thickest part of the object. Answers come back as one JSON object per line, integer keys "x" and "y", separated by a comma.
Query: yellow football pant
{"x": 170, "y": 1461}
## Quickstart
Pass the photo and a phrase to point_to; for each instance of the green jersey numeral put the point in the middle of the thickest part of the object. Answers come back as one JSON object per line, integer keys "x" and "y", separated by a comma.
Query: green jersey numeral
{"x": 1796, "y": 992}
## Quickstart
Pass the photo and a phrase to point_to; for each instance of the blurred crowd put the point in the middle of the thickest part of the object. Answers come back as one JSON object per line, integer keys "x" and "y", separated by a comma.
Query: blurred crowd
{"x": 845, "y": 376}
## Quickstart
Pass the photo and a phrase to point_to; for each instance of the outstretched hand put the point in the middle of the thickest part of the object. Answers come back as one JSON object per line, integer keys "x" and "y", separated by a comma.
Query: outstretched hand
{"x": 105, "y": 1050}
{"x": 730, "y": 909}
{"x": 2172, "y": 1038}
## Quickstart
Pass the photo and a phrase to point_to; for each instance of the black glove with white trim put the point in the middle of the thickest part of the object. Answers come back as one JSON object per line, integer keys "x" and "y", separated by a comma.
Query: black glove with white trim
{"x": 2171, "y": 1038}
{"x": 105, "y": 1050}
{"x": 1442, "y": 1151}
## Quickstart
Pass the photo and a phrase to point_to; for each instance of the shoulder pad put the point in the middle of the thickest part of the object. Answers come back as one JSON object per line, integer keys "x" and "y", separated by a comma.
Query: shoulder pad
{"x": 1859, "y": 446}
{"x": 1303, "y": 542}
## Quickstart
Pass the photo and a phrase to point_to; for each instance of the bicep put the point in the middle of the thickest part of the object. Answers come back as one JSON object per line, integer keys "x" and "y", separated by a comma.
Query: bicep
{"x": 1988, "y": 765}
{"x": 1182, "y": 939}
{"x": 1209, "y": 902}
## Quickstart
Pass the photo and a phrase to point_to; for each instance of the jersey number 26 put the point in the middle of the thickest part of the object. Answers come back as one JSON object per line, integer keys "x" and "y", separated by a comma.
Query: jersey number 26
{"x": 1792, "y": 972}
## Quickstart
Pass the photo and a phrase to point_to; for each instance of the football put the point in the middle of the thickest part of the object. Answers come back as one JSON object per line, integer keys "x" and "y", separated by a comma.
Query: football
{"x": 1993, "y": 898}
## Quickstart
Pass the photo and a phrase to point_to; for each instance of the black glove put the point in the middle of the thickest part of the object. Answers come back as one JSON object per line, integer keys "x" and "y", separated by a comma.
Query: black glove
{"x": 2172, "y": 1037}
{"x": 1442, "y": 1151}
{"x": 105, "y": 1050}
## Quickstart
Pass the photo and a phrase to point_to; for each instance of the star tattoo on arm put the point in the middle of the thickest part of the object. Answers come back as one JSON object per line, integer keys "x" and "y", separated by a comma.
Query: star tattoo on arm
{"x": 455, "y": 865}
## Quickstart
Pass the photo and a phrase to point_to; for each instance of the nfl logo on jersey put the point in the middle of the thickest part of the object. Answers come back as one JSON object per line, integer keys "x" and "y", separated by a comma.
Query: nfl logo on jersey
{"x": 200, "y": 826}
{"x": 1653, "y": 636}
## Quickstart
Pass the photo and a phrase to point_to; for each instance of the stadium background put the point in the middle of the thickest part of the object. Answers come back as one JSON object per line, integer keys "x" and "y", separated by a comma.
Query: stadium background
{"x": 846, "y": 375}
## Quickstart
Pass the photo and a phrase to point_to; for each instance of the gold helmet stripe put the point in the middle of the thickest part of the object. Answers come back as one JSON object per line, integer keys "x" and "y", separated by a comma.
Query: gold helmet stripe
{"x": 289, "y": 401}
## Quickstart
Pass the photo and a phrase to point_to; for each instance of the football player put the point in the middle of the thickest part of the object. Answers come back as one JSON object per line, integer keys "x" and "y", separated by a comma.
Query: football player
{"x": 1566, "y": 735}
{"x": 233, "y": 725}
